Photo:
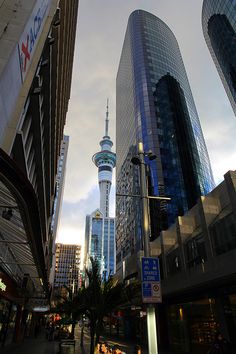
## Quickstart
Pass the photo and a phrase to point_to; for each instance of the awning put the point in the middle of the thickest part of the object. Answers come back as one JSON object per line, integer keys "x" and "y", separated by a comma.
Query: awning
{"x": 21, "y": 245}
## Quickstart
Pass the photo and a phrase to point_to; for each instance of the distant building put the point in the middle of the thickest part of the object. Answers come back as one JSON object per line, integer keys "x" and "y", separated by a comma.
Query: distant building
{"x": 100, "y": 228}
{"x": 100, "y": 241}
{"x": 219, "y": 28}
{"x": 67, "y": 268}
{"x": 155, "y": 106}
{"x": 60, "y": 182}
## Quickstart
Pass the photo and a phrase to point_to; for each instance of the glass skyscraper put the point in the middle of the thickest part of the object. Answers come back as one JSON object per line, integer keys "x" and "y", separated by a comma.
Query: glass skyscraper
{"x": 155, "y": 106}
{"x": 219, "y": 28}
{"x": 100, "y": 242}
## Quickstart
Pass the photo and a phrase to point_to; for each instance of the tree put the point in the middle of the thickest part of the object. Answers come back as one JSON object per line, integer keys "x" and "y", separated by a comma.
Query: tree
{"x": 71, "y": 306}
{"x": 102, "y": 297}
{"x": 98, "y": 298}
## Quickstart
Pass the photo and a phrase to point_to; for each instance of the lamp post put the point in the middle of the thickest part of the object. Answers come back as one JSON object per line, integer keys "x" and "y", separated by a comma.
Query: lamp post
{"x": 151, "y": 316}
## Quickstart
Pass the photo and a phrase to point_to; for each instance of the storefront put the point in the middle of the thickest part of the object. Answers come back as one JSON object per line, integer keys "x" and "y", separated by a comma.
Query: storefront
{"x": 192, "y": 325}
{"x": 8, "y": 309}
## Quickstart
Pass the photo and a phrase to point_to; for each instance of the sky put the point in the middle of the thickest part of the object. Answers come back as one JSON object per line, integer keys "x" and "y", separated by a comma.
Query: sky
{"x": 100, "y": 34}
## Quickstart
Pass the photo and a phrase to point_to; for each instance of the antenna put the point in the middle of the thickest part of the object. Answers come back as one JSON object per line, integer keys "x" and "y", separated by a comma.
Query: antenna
{"x": 107, "y": 121}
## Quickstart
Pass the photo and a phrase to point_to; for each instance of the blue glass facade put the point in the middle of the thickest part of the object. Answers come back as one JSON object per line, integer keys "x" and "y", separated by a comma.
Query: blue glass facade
{"x": 100, "y": 241}
{"x": 155, "y": 106}
{"x": 219, "y": 28}
{"x": 96, "y": 239}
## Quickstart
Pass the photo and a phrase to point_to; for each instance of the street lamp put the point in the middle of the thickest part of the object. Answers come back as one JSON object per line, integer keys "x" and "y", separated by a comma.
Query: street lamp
{"x": 151, "y": 316}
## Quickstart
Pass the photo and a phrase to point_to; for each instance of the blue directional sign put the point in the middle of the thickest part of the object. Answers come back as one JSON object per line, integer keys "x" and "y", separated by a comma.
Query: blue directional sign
{"x": 150, "y": 269}
{"x": 151, "y": 287}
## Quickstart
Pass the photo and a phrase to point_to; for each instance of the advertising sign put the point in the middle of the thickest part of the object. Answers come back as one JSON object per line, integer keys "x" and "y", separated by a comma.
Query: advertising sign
{"x": 151, "y": 286}
{"x": 31, "y": 34}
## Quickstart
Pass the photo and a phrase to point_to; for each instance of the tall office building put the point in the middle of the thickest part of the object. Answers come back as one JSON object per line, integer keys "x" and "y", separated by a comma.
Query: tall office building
{"x": 100, "y": 242}
{"x": 219, "y": 28}
{"x": 37, "y": 40}
{"x": 155, "y": 106}
{"x": 67, "y": 268}
{"x": 100, "y": 228}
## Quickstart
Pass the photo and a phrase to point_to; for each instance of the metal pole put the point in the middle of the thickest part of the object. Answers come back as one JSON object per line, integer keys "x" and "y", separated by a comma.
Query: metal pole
{"x": 151, "y": 316}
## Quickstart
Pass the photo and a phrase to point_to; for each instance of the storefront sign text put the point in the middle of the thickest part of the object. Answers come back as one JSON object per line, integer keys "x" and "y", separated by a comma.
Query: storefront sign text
{"x": 31, "y": 35}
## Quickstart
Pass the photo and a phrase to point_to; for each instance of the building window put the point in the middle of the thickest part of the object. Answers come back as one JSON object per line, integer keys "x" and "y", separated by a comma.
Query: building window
{"x": 223, "y": 234}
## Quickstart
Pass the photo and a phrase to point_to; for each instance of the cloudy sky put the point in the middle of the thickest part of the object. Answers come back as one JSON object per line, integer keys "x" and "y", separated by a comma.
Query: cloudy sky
{"x": 100, "y": 34}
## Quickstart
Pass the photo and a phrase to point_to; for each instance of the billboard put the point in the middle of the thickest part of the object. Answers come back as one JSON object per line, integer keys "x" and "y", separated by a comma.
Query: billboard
{"x": 31, "y": 34}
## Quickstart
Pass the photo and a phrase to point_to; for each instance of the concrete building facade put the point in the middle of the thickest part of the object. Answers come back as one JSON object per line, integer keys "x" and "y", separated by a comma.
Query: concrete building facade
{"x": 36, "y": 55}
{"x": 198, "y": 274}
{"x": 67, "y": 268}
{"x": 60, "y": 182}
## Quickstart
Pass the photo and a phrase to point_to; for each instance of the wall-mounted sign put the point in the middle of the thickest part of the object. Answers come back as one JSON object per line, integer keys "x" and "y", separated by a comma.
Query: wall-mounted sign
{"x": 31, "y": 34}
{"x": 3, "y": 286}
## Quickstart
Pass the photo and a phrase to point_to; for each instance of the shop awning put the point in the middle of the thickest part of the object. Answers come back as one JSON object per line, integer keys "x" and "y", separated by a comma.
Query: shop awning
{"x": 21, "y": 245}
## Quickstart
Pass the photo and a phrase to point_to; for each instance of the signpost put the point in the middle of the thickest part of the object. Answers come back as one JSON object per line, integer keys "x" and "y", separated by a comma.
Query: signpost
{"x": 150, "y": 266}
{"x": 151, "y": 286}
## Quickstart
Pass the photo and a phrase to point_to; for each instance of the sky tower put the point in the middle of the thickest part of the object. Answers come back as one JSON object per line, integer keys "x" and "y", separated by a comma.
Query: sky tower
{"x": 105, "y": 160}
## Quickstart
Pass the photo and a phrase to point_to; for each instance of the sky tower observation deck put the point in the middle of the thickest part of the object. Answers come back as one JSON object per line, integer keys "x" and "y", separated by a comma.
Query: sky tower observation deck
{"x": 105, "y": 160}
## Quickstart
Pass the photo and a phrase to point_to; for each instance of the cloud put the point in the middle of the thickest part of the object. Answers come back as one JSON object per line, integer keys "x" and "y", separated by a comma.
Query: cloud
{"x": 74, "y": 213}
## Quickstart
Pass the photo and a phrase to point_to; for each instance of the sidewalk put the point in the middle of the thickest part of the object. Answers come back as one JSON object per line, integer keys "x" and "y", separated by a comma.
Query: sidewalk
{"x": 41, "y": 345}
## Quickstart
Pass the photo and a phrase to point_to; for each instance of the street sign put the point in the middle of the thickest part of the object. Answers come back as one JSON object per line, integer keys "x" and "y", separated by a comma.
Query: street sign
{"x": 151, "y": 286}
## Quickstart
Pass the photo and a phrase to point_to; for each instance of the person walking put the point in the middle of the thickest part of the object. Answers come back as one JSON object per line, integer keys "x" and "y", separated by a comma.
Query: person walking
{"x": 97, "y": 349}
{"x": 116, "y": 350}
{"x": 104, "y": 348}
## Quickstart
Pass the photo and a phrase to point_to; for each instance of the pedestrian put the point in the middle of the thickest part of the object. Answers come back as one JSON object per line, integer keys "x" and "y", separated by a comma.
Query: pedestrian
{"x": 109, "y": 350}
{"x": 98, "y": 347}
{"x": 220, "y": 345}
{"x": 137, "y": 349}
{"x": 47, "y": 330}
{"x": 51, "y": 332}
{"x": 116, "y": 350}
{"x": 104, "y": 348}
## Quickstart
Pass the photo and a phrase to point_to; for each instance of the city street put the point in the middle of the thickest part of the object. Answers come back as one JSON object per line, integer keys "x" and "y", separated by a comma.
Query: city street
{"x": 41, "y": 345}
{"x": 117, "y": 177}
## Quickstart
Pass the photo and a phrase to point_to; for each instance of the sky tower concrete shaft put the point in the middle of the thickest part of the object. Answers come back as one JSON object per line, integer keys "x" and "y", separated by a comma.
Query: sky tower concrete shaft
{"x": 105, "y": 160}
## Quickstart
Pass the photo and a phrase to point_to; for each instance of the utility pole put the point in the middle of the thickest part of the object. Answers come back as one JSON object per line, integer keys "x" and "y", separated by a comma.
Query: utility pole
{"x": 140, "y": 161}
{"x": 151, "y": 316}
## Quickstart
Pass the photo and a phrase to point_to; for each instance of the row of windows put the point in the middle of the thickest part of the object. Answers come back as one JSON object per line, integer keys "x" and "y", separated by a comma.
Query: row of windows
{"x": 223, "y": 238}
